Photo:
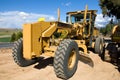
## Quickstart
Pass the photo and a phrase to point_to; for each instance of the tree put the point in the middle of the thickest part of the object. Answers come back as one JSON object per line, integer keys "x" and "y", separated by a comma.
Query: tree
{"x": 107, "y": 30}
{"x": 19, "y": 35}
{"x": 13, "y": 37}
{"x": 110, "y": 8}
{"x": 103, "y": 31}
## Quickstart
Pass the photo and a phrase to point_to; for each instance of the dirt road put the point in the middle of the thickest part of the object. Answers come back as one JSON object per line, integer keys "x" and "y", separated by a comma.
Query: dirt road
{"x": 44, "y": 71}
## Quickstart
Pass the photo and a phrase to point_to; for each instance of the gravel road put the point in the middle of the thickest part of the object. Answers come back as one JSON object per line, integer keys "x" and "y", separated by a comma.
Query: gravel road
{"x": 43, "y": 70}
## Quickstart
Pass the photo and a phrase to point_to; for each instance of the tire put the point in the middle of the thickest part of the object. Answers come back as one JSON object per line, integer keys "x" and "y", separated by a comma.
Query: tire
{"x": 112, "y": 52}
{"x": 66, "y": 59}
{"x": 99, "y": 45}
{"x": 18, "y": 54}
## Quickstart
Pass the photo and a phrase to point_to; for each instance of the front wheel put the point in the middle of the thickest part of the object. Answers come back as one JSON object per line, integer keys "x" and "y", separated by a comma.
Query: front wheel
{"x": 18, "y": 54}
{"x": 66, "y": 59}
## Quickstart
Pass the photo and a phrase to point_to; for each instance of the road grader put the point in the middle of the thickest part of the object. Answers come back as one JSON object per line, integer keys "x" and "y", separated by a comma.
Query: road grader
{"x": 112, "y": 51}
{"x": 65, "y": 42}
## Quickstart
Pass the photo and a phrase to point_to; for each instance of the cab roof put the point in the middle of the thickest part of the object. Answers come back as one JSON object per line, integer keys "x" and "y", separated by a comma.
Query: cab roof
{"x": 79, "y": 12}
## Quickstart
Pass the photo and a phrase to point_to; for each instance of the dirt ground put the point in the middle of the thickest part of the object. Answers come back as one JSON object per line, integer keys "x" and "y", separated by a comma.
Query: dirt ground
{"x": 96, "y": 70}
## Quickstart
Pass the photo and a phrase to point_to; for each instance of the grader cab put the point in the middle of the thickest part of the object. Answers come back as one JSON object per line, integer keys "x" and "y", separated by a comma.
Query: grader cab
{"x": 59, "y": 40}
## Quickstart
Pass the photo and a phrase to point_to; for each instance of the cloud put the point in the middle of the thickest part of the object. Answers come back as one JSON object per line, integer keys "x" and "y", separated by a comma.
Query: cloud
{"x": 66, "y": 4}
{"x": 15, "y": 19}
{"x": 100, "y": 21}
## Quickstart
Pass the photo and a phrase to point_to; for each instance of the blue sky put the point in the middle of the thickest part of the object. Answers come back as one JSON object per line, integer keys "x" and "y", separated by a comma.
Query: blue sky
{"x": 47, "y": 6}
{"x": 21, "y": 11}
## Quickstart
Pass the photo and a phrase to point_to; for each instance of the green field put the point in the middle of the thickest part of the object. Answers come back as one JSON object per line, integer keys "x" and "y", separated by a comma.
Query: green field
{"x": 4, "y": 32}
{"x": 6, "y": 39}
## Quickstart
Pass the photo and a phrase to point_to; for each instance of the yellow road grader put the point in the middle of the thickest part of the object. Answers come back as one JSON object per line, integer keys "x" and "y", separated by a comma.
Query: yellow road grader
{"x": 59, "y": 40}
{"x": 112, "y": 51}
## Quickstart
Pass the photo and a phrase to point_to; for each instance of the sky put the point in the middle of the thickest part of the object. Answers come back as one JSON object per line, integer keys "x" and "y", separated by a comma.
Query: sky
{"x": 14, "y": 13}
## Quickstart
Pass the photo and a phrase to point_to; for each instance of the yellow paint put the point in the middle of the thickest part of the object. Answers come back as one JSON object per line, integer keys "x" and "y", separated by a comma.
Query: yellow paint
{"x": 27, "y": 39}
{"x": 85, "y": 13}
{"x": 36, "y": 37}
{"x": 49, "y": 31}
{"x": 31, "y": 40}
{"x": 81, "y": 44}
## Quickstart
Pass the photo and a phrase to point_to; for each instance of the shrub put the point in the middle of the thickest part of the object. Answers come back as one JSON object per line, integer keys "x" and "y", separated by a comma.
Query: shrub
{"x": 13, "y": 37}
{"x": 16, "y": 36}
{"x": 19, "y": 35}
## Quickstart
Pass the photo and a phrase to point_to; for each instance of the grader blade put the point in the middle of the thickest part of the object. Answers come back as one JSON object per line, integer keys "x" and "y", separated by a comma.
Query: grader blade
{"x": 85, "y": 58}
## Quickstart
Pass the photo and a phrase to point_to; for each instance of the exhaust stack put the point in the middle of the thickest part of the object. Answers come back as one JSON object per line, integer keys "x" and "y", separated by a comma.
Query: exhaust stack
{"x": 58, "y": 14}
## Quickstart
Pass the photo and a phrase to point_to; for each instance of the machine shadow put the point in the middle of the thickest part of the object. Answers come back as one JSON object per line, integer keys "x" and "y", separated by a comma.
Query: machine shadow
{"x": 42, "y": 63}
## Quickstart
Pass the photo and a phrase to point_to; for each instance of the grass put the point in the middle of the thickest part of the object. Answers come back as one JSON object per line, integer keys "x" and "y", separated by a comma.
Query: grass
{"x": 7, "y": 32}
{"x": 5, "y": 39}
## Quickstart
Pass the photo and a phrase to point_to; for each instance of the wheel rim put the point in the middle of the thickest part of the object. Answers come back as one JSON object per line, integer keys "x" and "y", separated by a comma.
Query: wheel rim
{"x": 72, "y": 60}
